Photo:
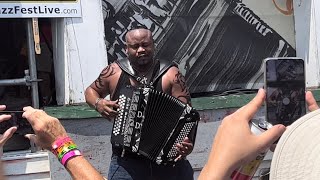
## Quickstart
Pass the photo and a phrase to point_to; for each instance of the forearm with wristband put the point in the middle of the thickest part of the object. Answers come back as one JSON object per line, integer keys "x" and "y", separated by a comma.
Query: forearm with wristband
{"x": 65, "y": 149}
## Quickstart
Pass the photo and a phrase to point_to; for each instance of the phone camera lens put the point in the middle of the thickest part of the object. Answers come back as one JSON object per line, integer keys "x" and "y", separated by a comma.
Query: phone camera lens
{"x": 286, "y": 101}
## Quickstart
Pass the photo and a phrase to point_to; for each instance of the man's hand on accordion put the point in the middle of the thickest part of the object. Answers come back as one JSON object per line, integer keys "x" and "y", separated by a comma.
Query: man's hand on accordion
{"x": 184, "y": 149}
{"x": 107, "y": 108}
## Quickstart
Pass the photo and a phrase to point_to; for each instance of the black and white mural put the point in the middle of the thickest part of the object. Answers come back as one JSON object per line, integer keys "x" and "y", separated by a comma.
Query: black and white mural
{"x": 219, "y": 44}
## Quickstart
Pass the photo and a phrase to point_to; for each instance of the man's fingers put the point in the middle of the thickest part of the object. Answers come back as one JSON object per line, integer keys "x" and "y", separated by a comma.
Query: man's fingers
{"x": 187, "y": 140}
{"x": 111, "y": 103}
{"x": 110, "y": 112}
{"x": 178, "y": 158}
{"x": 312, "y": 103}
{"x": 27, "y": 108}
{"x": 116, "y": 105}
{"x": 32, "y": 137}
{"x": 9, "y": 132}
{"x": 108, "y": 116}
{"x": 179, "y": 145}
{"x": 105, "y": 113}
{"x": 2, "y": 107}
{"x": 270, "y": 136}
{"x": 7, "y": 135}
{"x": 4, "y": 117}
{"x": 248, "y": 111}
{"x": 28, "y": 111}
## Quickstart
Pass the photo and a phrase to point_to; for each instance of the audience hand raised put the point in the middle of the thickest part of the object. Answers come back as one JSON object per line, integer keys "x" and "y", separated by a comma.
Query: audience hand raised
{"x": 47, "y": 128}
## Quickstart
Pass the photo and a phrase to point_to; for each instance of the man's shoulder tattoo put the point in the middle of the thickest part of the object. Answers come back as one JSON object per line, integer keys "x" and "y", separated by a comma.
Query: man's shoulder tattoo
{"x": 105, "y": 73}
{"x": 181, "y": 81}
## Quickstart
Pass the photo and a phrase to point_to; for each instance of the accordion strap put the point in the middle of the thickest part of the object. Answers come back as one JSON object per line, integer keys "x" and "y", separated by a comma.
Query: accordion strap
{"x": 125, "y": 65}
{"x": 164, "y": 66}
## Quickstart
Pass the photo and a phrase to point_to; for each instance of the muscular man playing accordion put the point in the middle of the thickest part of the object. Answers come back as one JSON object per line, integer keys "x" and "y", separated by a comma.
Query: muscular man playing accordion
{"x": 154, "y": 126}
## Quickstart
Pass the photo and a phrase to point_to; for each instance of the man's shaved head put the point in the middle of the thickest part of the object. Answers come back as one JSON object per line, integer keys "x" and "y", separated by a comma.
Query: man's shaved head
{"x": 138, "y": 33}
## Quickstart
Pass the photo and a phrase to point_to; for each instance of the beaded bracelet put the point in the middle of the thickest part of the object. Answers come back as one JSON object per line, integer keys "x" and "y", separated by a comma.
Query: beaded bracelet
{"x": 96, "y": 104}
{"x": 69, "y": 155}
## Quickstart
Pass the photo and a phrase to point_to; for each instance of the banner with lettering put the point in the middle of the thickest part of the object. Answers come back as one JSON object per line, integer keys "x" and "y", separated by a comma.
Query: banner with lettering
{"x": 219, "y": 44}
{"x": 45, "y": 8}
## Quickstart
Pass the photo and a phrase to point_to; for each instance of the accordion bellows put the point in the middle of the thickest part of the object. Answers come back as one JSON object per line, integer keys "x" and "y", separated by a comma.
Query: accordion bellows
{"x": 151, "y": 123}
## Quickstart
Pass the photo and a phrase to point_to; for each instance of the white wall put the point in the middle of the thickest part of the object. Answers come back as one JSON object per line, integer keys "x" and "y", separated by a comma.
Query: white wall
{"x": 314, "y": 51}
{"x": 84, "y": 53}
{"x": 307, "y": 24}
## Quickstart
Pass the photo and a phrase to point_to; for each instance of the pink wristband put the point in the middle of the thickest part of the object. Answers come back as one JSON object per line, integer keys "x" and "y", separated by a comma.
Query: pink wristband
{"x": 57, "y": 143}
{"x": 69, "y": 155}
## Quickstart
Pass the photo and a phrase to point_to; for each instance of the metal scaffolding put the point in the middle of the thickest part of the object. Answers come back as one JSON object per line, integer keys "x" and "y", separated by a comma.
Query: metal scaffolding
{"x": 30, "y": 78}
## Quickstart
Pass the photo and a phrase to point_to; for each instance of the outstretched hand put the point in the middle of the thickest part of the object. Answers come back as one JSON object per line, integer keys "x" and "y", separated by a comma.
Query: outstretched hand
{"x": 47, "y": 128}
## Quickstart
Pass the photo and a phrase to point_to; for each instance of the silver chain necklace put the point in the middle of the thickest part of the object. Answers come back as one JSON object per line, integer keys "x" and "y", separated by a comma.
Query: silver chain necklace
{"x": 144, "y": 79}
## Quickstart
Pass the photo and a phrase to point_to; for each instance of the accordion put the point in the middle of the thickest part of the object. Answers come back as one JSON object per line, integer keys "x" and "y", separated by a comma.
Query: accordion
{"x": 151, "y": 123}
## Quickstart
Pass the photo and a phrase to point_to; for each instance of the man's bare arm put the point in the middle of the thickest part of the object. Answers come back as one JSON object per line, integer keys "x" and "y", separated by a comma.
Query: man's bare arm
{"x": 100, "y": 87}
{"x": 80, "y": 168}
{"x": 179, "y": 89}
{"x": 179, "y": 86}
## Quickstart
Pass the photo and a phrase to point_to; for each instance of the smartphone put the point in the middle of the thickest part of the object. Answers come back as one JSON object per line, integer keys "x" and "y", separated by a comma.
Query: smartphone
{"x": 23, "y": 126}
{"x": 285, "y": 88}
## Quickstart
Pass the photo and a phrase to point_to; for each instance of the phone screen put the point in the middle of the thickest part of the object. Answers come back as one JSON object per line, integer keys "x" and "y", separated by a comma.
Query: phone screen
{"x": 285, "y": 86}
